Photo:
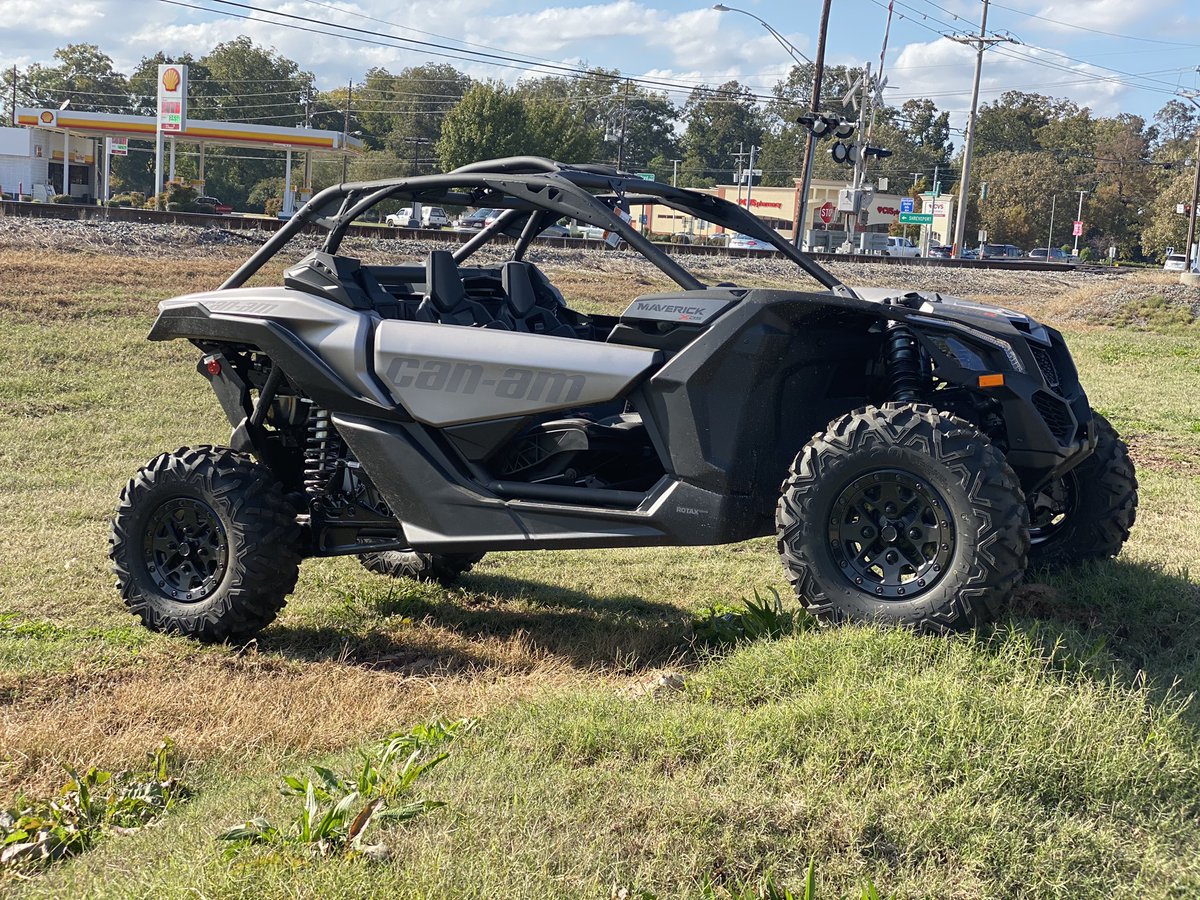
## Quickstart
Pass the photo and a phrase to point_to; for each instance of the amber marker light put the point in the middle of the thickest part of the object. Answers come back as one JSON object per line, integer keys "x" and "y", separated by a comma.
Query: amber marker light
{"x": 991, "y": 380}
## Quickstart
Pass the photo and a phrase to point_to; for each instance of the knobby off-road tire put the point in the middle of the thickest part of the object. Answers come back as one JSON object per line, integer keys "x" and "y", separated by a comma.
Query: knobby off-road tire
{"x": 444, "y": 568}
{"x": 1088, "y": 513}
{"x": 902, "y": 515}
{"x": 205, "y": 544}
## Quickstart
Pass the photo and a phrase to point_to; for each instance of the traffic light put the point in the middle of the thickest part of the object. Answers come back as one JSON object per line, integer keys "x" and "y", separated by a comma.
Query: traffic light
{"x": 826, "y": 126}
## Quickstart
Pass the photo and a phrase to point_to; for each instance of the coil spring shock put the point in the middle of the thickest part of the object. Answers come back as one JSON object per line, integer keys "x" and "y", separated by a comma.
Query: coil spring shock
{"x": 904, "y": 365}
{"x": 321, "y": 453}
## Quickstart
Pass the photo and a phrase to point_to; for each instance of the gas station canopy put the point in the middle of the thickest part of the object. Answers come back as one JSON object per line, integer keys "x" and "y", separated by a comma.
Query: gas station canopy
{"x": 197, "y": 131}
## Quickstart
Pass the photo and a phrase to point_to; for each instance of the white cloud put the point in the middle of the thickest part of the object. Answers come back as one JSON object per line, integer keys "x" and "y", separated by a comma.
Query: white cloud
{"x": 943, "y": 70}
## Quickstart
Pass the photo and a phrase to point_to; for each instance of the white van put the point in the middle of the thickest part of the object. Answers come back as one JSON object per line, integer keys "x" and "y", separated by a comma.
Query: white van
{"x": 431, "y": 217}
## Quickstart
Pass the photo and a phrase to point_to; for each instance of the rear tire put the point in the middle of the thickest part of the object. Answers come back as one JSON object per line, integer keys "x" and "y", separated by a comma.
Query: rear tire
{"x": 1088, "y": 513}
{"x": 902, "y": 515}
{"x": 444, "y": 568}
{"x": 204, "y": 543}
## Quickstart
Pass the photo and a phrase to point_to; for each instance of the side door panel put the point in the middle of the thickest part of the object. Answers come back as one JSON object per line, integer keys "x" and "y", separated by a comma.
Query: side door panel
{"x": 451, "y": 374}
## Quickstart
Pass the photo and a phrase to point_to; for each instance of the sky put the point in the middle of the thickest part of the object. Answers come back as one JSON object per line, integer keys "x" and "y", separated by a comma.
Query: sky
{"x": 1113, "y": 56}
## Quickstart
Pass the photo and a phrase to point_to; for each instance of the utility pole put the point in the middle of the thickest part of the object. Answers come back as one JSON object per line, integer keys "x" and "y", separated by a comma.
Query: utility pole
{"x": 982, "y": 42}
{"x": 1050, "y": 236}
{"x": 624, "y": 113}
{"x": 750, "y": 177}
{"x": 307, "y": 188}
{"x": 739, "y": 156}
{"x": 675, "y": 172}
{"x": 1191, "y": 255}
{"x": 800, "y": 218}
{"x": 14, "y": 96}
{"x": 1079, "y": 218}
{"x": 346, "y": 130}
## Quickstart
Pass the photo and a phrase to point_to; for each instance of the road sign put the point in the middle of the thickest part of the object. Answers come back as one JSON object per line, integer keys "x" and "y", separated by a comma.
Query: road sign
{"x": 906, "y": 204}
{"x": 826, "y": 213}
{"x": 1078, "y": 229}
{"x": 646, "y": 176}
{"x": 916, "y": 218}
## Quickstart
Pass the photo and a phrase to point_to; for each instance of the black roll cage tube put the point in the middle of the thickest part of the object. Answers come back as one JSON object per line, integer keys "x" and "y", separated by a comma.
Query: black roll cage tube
{"x": 531, "y": 187}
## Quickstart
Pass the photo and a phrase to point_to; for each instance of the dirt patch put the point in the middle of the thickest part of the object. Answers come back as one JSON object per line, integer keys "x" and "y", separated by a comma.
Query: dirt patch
{"x": 1163, "y": 453}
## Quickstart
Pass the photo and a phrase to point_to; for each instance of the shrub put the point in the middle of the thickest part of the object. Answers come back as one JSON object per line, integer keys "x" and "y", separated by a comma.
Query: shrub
{"x": 723, "y": 626}
{"x": 62, "y": 198}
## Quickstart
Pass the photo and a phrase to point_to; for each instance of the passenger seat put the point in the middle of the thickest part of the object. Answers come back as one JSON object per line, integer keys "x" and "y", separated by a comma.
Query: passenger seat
{"x": 523, "y": 309}
{"x": 446, "y": 299}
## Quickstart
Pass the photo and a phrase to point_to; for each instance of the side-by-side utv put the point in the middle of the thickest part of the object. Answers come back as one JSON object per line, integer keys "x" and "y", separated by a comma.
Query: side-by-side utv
{"x": 912, "y": 453}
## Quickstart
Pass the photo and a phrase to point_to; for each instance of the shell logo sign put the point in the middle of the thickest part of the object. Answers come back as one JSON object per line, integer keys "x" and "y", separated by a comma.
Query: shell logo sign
{"x": 47, "y": 117}
{"x": 172, "y": 98}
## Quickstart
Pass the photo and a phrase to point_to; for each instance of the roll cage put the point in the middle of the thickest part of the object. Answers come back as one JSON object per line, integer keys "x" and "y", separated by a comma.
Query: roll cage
{"x": 534, "y": 192}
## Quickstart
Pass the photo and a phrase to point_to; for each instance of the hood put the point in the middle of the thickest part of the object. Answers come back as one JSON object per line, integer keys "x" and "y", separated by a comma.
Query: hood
{"x": 957, "y": 309}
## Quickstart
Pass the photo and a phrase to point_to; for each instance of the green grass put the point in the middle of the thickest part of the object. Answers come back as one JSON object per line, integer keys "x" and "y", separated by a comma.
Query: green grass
{"x": 1056, "y": 756}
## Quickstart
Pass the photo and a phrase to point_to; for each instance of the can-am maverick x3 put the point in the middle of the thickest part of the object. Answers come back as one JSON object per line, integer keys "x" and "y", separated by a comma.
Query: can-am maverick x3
{"x": 419, "y": 416}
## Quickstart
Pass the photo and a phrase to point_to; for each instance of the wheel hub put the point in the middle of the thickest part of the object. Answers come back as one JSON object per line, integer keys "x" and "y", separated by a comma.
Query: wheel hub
{"x": 891, "y": 534}
{"x": 185, "y": 549}
{"x": 1050, "y": 507}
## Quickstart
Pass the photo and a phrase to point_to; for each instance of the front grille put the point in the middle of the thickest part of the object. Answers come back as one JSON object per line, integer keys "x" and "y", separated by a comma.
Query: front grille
{"x": 1056, "y": 415}
{"x": 1046, "y": 364}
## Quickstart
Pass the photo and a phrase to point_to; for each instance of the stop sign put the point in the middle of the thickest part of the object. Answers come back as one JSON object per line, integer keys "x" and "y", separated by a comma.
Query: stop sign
{"x": 826, "y": 212}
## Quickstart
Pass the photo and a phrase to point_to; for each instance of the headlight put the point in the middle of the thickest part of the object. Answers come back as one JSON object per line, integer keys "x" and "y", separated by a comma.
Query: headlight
{"x": 969, "y": 357}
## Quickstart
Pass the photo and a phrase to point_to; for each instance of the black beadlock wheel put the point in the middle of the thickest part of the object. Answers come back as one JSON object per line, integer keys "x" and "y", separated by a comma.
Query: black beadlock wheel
{"x": 205, "y": 543}
{"x": 1086, "y": 514}
{"x": 903, "y": 515}
{"x": 444, "y": 568}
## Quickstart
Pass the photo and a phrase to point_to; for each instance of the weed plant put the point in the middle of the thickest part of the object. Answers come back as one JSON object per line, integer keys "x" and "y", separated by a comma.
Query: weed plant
{"x": 337, "y": 809}
{"x": 35, "y": 834}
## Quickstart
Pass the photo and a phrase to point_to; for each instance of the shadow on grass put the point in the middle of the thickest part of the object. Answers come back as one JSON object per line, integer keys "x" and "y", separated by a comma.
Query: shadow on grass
{"x": 1138, "y": 620}
{"x": 513, "y": 625}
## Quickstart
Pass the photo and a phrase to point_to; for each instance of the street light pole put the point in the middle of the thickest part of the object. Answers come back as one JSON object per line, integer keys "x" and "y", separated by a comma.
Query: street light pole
{"x": 800, "y": 217}
{"x": 1191, "y": 257}
{"x": 675, "y": 172}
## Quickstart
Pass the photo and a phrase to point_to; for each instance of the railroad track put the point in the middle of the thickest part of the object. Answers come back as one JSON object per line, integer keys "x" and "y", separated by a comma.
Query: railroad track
{"x": 243, "y": 224}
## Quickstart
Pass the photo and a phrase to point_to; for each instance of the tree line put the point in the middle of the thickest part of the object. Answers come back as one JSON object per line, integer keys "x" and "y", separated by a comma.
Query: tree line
{"x": 1033, "y": 152}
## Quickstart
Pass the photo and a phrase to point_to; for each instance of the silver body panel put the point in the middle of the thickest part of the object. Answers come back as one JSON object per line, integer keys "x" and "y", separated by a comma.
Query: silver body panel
{"x": 451, "y": 374}
{"x": 668, "y": 308}
{"x": 339, "y": 336}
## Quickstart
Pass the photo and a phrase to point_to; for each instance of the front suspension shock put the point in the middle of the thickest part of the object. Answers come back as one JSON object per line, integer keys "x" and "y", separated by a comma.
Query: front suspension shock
{"x": 903, "y": 358}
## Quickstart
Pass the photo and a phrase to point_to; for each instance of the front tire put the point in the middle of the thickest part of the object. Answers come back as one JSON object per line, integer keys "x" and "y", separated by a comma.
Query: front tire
{"x": 444, "y": 568}
{"x": 205, "y": 544}
{"x": 1088, "y": 513}
{"x": 902, "y": 515}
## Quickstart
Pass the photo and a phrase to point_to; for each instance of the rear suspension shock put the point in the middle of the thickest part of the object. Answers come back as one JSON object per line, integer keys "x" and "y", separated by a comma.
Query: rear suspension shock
{"x": 322, "y": 451}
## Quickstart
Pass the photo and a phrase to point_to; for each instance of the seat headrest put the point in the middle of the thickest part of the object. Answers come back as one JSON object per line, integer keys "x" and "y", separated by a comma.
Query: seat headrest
{"x": 518, "y": 285}
{"x": 442, "y": 282}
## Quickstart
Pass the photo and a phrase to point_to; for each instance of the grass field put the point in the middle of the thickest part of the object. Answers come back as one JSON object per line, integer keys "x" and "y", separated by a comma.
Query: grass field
{"x": 1056, "y": 755}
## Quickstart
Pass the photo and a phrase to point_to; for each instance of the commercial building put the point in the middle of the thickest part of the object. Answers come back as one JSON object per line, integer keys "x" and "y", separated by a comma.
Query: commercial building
{"x": 776, "y": 206}
{"x": 62, "y": 151}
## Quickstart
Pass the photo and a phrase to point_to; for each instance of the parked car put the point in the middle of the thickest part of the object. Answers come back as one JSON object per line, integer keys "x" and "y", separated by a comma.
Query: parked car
{"x": 475, "y": 220}
{"x": 1055, "y": 254}
{"x": 901, "y": 246}
{"x": 1175, "y": 262}
{"x": 746, "y": 242}
{"x": 431, "y": 217}
{"x": 1001, "y": 251}
{"x": 940, "y": 252}
{"x": 213, "y": 205}
{"x": 422, "y": 413}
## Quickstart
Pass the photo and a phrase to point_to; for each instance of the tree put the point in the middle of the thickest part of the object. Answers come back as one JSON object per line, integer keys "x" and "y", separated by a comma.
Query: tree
{"x": 488, "y": 122}
{"x": 404, "y": 112}
{"x": 558, "y": 126}
{"x": 1017, "y": 208}
{"x": 84, "y": 75}
{"x": 719, "y": 121}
